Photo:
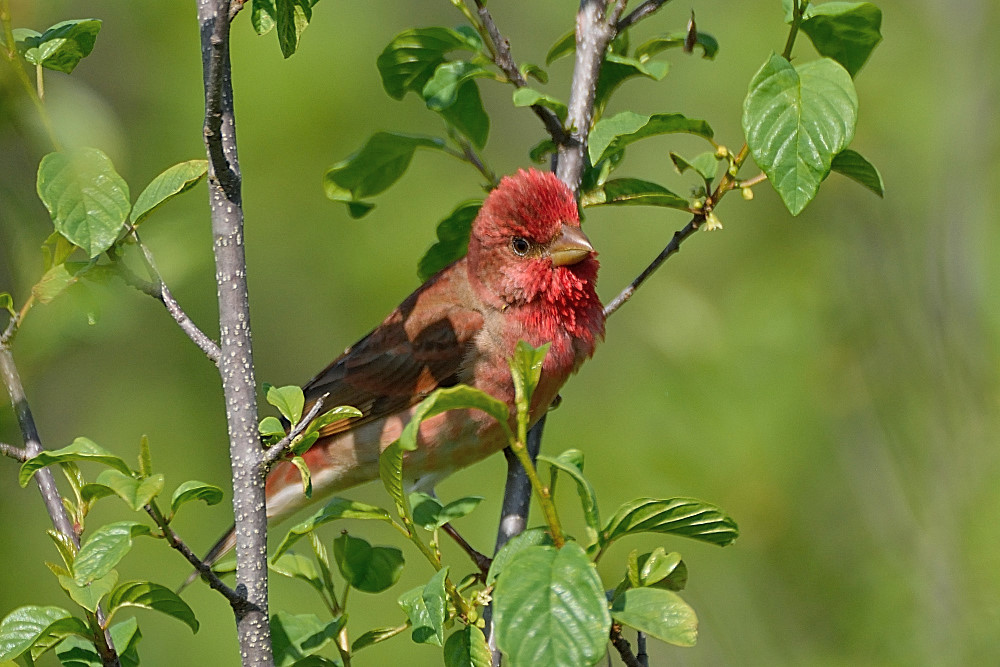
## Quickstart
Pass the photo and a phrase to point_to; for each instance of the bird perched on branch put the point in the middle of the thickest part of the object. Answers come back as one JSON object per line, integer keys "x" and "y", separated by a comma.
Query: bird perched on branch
{"x": 529, "y": 275}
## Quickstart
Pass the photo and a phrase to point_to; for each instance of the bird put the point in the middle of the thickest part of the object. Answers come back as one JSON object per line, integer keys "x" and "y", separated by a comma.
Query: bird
{"x": 529, "y": 274}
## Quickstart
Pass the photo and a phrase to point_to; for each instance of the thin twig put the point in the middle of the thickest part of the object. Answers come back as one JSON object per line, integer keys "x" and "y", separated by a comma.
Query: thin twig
{"x": 752, "y": 181}
{"x": 505, "y": 61}
{"x": 278, "y": 449}
{"x": 672, "y": 247}
{"x": 622, "y": 646}
{"x": 16, "y": 453}
{"x": 639, "y": 13}
{"x": 50, "y": 493}
{"x": 163, "y": 294}
{"x": 234, "y": 598}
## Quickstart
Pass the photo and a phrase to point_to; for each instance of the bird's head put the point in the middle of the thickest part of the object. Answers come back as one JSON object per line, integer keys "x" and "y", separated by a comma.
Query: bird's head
{"x": 526, "y": 243}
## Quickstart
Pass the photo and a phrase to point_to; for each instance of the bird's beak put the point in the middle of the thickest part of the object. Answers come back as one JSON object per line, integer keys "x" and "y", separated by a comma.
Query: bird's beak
{"x": 570, "y": 247}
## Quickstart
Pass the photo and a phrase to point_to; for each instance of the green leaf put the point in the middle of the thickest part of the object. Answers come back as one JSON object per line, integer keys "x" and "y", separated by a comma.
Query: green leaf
{"x": 376, "y": 636}
{"x": 633, "y": 192}
{"x": 298, "y": 636}
{"x": 430, "y": 513}
{"x": 526, "y": 97}
{"x": 458, "y": 397}
{"x": 333, "y": 415}
{"x": 796, "y": 119}
{"x": 858, "y": 169}
{"x": 336, "y": 509}
{"x": 172, "y": 182}
{"x": 85, "y": 196}
{"x": 848, "y": 32}
{"x": 525, "y": 370}
{"x": 467, "y": 648}
{"x": 441, "y": 91}
{"x": 705, "y": 165}
{"x": 533, "y": 537}
{"x": 408, "y": 62}
{"x": 89, "y": 595}
{"x": 789, "y": 8}
{"x": 657, "y": 568}
{"x": 147, "y": 595}
{"x": 145, "y": 458}
{"x": 657, "y": 612}
{"x": 82, "y": 449}
{"x": 453, "y": 239}
{"x": 77, "y": 652}
{"x": 262, "y": 16}
{"x": 22, "y": 628}
{"x": 289, "y": 400}
{"x": 617, "y": 69}
{"x": 136, "y": 493}
{"x": 7, "y": 303}
{"x": 709, "y": 45}
{"x": 367, "y": 568}
{"x": 53, "y": 283}
{"x": 56, "y": 249}
{"x": 295, "y": 566}
{"x": 271, "y": 426}
{"x": 304, "y": 473}
{"x": 571, "y": 463}
{"x": 549, "y": 608}
{"x": 105, "y": 548}
{"x": 540, "y": 151}
{"x": 468, "y": 116}
{"x": 687, "y": 517}
{"x": 61, "y": 47}
{"x": 564, "y": 46}
{"x": 427, "y": 607}
{"x": 195, "y": 490}
{"x": 380, "y": 163}
{"x": 611, "y": 135}
{"x": 534, "y": 71}
{"x": 291, "y": 17}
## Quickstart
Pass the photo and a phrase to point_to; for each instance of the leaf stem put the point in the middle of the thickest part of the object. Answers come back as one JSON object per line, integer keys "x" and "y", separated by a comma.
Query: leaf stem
{"x": 544, "y": 497}
{"x": 798, "y": 7}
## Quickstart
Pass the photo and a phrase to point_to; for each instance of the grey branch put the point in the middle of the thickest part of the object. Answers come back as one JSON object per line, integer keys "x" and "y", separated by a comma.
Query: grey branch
{"x": 642, "y": 11}
{"x": 275, "y": 451}
{"x": 46, "y": 482}
{"x": 16, "y": 453}
{"x": 505, "y": 61}
{"x": 594, "y": 31}
{"x": 236, "y": 361}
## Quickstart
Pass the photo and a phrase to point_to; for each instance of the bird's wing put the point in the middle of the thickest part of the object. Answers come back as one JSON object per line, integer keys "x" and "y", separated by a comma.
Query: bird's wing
{"x": 421, "y": 346}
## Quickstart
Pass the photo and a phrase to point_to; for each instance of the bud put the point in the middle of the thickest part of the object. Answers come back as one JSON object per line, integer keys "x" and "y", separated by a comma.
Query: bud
{"x": 747, "y": 194}
{"x": 711, "y": 223}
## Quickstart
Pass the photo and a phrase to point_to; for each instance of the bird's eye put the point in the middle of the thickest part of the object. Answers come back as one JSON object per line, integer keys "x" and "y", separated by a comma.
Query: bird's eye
{"x": 520, "y": 246}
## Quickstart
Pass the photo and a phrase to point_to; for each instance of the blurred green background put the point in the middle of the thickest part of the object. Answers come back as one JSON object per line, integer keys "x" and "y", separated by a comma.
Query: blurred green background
{"x": 831, "y": 380}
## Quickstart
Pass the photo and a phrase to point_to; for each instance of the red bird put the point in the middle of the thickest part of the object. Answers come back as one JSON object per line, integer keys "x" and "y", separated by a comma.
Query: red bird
{"x": 529, "y": 275}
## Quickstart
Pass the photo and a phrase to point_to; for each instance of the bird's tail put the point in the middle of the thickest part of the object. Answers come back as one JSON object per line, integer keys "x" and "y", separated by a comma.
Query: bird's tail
{"x": 218, "y": 550}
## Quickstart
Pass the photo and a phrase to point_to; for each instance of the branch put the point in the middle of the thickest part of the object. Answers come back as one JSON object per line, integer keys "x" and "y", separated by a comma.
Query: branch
{"x": 622, "y": 646}
{"x": 47, "y": 486}
{"x": 235, "y": 599}
{"x": 16, "y": 453}
{"x": 593, "y": 34}
{"x": 278, "y": 449}
{"x": 505, "y": 61}
{"x": 236, "y": 361}
{"x": 639, "y": 13}
{"x": 163, "y": 294}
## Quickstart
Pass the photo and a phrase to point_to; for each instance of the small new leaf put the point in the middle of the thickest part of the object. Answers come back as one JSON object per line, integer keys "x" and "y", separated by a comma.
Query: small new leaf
{"x": 61, "y": 47}
{"x": 195, "y": 490}
{"x": 82, "y": 449}
{"x": 657, "y": 612}
{"x": 367, "y": 568}
{"x": 297, "y": 638}
{"x": 858, "y": 169}
{"x": 147, "y": 595}
{"x": 335, "y": 510}
{"x": 526, "y": 97}
{"x": 105, "y": 549}
{"x": 176, "y": 180}
{"x": 289, "y": 400}
{"x": 427, "y": 607}
{"x": 848, "y": 32}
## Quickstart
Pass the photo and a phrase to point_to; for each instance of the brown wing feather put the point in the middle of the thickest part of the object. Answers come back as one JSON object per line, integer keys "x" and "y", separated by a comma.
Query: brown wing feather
{"x": 421, "y": 346}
